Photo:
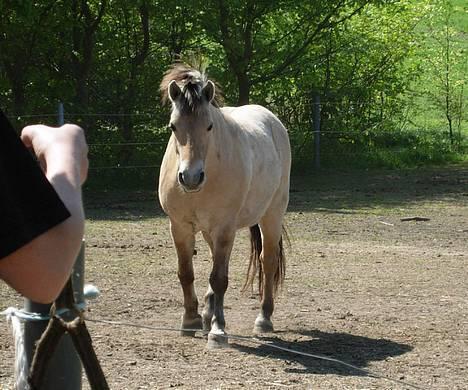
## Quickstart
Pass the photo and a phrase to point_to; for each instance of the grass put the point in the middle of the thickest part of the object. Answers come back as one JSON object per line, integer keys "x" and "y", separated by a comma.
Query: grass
{"x": 396, "y": 150}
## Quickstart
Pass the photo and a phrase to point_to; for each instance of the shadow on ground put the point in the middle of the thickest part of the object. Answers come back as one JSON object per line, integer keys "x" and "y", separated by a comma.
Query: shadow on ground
{"x": 358, "y": 351}
{"x": 347, "y": 191}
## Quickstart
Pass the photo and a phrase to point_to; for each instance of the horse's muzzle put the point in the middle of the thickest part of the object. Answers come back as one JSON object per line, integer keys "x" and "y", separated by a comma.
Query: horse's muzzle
{"x": 191, "y": 181}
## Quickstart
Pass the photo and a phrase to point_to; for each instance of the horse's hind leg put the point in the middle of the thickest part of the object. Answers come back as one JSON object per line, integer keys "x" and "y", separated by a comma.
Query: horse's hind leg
{"x": 184, "y": 241}
{"x": 272, "y": 268}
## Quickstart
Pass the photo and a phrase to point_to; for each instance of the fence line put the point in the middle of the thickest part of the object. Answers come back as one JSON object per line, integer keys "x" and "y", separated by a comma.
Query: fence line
{"x": 319, "y": 136}
{"x": 309, "y": 100}
{"x": 322, "y": 132}
{"x": 322, "y": 154}
{"x": 124, "y": 167}
{"x": 126, "y": 143}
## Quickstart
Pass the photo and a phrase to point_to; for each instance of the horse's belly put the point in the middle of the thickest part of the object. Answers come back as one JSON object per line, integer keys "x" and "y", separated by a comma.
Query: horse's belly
{"x": 249, "y": 218}
{"x": 255, "y": 206}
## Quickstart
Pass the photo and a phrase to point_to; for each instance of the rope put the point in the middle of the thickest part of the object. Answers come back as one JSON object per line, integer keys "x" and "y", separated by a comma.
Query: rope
{"x": 26, "y": 316}
{"x": 254, "y": 340}
{"x": 89, "y": 292}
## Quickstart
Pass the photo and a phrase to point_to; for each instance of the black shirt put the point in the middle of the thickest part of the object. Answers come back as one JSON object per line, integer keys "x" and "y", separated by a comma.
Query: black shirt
{"x": 29, "y": 205}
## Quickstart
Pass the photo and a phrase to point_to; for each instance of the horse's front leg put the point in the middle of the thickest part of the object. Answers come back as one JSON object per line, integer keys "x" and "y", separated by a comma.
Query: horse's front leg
{"x": 184, "y": 241}
{"x": 207, "y": 314}
{"x": 222, "y": 246}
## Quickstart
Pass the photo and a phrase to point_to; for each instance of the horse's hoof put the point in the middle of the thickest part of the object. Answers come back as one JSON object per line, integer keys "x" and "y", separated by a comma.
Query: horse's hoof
{"x": 217, "y": 340}
{"x": 262, "y": 325}
{"x": 189, "y": 327}
{"x": 207, "y": 323}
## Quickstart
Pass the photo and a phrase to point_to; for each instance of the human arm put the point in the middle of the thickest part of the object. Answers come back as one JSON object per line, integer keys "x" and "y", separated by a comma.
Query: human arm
{"x": 40, "y": 268}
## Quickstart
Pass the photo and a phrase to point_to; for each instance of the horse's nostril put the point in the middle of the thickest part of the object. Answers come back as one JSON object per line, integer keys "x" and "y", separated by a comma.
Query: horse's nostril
{"x": 202, "y": 177}
{"x": 181, "y": 178}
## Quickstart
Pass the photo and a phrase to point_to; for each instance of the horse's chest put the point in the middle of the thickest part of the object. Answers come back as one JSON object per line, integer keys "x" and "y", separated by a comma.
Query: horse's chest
{"x": 197, "y": 213}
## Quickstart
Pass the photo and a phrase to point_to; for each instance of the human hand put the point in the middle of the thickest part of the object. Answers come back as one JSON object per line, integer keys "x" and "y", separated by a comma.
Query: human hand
{"x": 59, "y": 149}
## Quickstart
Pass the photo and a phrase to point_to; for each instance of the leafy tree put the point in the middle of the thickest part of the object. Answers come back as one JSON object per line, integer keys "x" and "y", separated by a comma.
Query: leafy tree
{"x": 264, "y": 40}
{"x": 444, "y": 63}
{"x": 375, "y": 64}
{"x": 359, "y": 69}
{"x": 23, "y": 36}
{"x": 85, "y": 15}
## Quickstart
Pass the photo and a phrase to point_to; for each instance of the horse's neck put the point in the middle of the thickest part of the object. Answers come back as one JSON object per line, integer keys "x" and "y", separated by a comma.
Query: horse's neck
{"x": 223, "y": 128}
{"x": 221, "y": 124}
{"x": 217, "y": 116}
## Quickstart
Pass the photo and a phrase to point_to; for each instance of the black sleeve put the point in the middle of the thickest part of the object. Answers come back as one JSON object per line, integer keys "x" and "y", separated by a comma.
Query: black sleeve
{"x": 29, "y": 205}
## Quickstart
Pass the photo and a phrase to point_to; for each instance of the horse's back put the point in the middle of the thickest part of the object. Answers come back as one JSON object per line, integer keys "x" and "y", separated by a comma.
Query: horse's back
{"x": 268, "y": 141}
{"x": 261, "y": 122}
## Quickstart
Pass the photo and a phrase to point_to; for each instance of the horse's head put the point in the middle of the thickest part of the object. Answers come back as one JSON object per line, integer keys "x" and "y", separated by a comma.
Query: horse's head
{"x": 191, "y": 124}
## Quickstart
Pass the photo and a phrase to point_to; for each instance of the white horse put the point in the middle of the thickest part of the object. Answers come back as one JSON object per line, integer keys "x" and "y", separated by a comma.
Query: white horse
{"x": 224, "y": 169}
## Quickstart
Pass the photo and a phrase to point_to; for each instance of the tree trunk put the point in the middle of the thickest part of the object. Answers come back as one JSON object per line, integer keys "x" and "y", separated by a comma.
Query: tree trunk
{"x": 136, "y": 62}
{"x": 448, "y": 89}
{"x": 15, "y": 75}
{"x": 244, "y": 89}
{"x": 84, "y": 29}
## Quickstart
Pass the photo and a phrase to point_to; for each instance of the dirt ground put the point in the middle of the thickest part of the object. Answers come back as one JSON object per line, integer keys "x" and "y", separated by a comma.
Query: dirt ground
{"x": 362, "y": 286}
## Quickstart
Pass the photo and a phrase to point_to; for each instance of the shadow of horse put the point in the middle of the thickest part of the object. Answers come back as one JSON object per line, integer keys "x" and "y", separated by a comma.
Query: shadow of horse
{"x": 345, "y": 349}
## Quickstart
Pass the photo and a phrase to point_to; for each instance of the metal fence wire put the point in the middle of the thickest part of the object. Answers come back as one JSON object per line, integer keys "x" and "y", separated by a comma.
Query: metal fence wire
{"x": 310, "y": 143}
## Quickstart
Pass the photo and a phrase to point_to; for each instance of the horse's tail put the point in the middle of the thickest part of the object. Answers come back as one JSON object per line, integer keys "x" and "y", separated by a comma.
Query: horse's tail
{"x": 255, "y": 265}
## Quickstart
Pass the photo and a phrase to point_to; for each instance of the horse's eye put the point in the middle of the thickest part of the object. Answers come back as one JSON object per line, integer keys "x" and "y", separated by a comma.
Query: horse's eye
{"x": 172, "y": 126}
{"x": 210, "y": 127}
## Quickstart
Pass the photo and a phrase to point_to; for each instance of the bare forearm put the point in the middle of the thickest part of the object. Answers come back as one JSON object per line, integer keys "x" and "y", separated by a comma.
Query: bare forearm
{"x": 39, "y": 269}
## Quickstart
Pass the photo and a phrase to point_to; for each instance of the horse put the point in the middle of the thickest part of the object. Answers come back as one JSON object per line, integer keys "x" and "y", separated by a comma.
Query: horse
{"x": 224, "y": 168}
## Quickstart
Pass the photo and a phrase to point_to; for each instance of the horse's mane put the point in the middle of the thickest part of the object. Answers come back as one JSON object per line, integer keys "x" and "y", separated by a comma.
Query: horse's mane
{"x": 191, "y": 81}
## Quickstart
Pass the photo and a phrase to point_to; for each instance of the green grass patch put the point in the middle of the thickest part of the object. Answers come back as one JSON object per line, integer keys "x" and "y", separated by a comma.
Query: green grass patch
{"x": 387, "y": 150}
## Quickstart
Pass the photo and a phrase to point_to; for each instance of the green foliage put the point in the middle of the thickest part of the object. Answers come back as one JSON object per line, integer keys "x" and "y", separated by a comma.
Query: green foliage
{"x": 438, "y": 100}
{"x": 380, "y": 68}
{"x": 404, "y": 149}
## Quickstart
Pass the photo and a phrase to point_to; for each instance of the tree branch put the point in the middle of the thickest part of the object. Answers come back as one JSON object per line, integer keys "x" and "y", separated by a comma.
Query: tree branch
{"x": 296, "y": 53}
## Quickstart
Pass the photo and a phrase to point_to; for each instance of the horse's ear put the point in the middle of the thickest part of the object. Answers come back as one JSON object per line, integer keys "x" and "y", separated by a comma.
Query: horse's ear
{"x": 209, "y": 91}
{"x": 173, "y": 90}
